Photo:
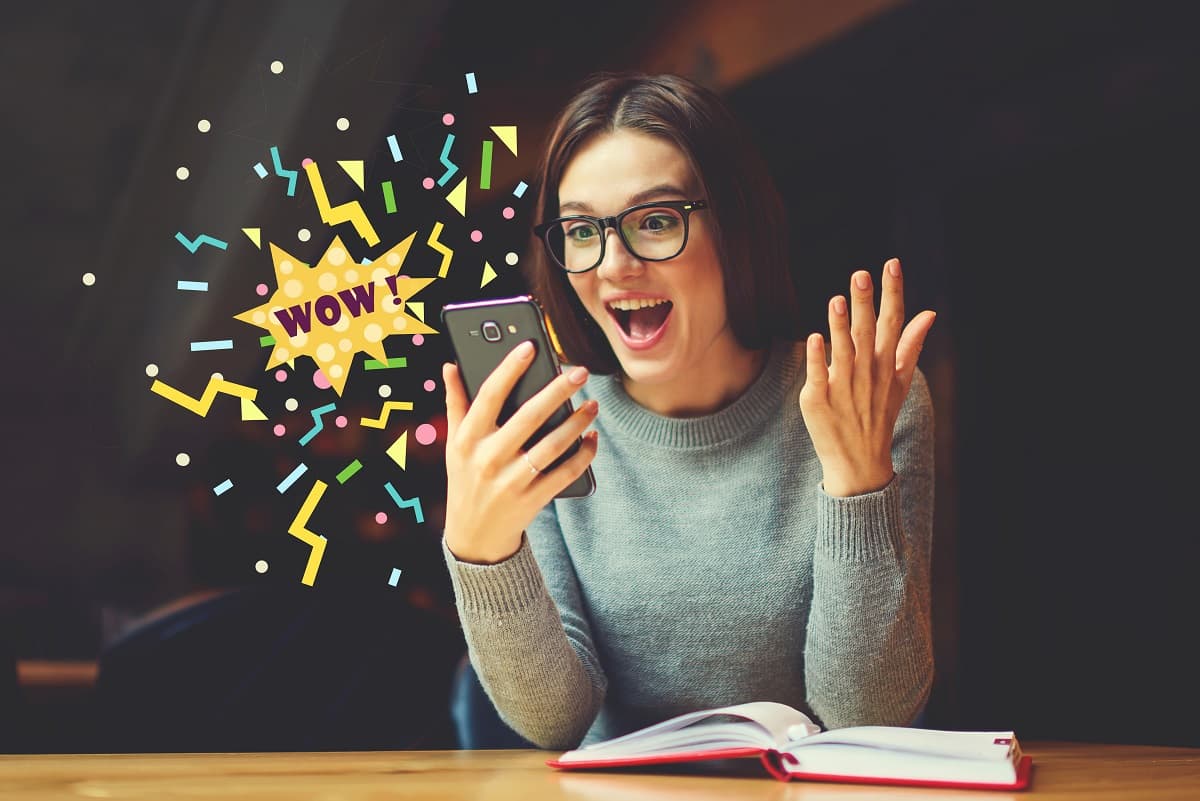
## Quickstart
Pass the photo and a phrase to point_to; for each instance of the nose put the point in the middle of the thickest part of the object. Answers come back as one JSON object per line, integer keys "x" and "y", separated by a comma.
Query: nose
{"x": 618, "y": 262}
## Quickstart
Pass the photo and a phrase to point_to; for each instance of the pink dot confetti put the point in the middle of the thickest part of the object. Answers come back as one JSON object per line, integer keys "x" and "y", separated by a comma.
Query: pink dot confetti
{"x": 381, "y": 517}
{"x": 340, "y": 421}
{"x": 509, "y": 212}
{"x": 477, "y": 235}
{"x": 262, "y": 290}
{"x": 429, "y": 385}
{"x": 418, "y": 340}
{"x": 280, "y": 430}
{"x": 428, "y": 183}
{"x": 447, "y": 119}
{"x": 426, "y": 434}
{"x": 281, "y": 376}
{"x": 321, "y": 380}
{"x": 306, "y": 162}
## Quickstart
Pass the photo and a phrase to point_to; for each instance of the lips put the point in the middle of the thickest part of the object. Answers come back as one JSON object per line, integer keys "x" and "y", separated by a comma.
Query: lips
{"x": 640, "y": 322}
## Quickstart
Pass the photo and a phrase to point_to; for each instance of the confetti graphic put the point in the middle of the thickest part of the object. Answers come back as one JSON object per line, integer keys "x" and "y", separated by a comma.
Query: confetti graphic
{"x": 204, "y": 239}
{"x": 348, "y": 471}
{"x": 450, "y": 166}
{"x": 394, "y": 146}
{"x": 388, "y": 408}
{"x": 291, "y": 175}
{"x": 351, "y": 211}
{"x": 413, "y": 503}
{"x": 213, "y": 344}
{"x": 286, "y": 484}
{"x": 318, "y": 424}
{"x": 447, "y": 253}
{"x": 299, "y": 530}
{"x": 202, "y": 404}
{"x": 398, "y": 450}
{"x": 344, "y": 304}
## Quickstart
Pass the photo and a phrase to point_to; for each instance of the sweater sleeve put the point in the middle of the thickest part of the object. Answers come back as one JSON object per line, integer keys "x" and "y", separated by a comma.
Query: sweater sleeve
{"x": 529, "y": 638}
{"x": 869, "y": 650}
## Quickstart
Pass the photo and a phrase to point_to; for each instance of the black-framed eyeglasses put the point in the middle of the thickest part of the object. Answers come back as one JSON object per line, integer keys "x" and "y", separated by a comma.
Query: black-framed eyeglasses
{"x": 655, "y": 231}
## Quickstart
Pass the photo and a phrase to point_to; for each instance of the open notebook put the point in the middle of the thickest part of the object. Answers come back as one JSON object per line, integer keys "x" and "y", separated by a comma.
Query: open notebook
{"x": 791, "y": 746}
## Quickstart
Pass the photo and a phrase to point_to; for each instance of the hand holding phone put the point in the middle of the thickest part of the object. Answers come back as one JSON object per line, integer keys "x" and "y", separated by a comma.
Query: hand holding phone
{"x": 513, "y": 438}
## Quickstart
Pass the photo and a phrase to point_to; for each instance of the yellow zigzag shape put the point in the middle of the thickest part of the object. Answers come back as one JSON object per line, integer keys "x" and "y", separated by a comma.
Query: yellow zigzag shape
{"x": 446, "y": 252}
{"x": 381, "y": 421}
{"x": 351, "y": 211}
{"x": 299, "y": 530}
{"x": 202, "y": 404}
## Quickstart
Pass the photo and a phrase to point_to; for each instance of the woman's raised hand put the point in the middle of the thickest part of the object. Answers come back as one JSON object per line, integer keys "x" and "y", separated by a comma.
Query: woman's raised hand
{"x": 494, "y": 488}
{"x": 850, "y": 402}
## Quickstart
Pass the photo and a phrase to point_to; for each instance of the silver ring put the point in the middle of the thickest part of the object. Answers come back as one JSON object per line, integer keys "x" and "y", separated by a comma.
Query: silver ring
{"x": 532, "y": 470}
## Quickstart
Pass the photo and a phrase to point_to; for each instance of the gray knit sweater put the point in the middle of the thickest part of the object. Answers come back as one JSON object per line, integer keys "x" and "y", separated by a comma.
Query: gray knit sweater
{"x": 710, "y": 568}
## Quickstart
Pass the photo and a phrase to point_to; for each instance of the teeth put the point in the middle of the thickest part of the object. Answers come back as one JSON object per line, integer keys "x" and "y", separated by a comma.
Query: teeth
{"x": 632, "y": 304}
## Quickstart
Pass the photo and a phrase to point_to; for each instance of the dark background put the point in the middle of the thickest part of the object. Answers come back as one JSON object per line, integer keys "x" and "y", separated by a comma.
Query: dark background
{"x": 1032, "y": 163}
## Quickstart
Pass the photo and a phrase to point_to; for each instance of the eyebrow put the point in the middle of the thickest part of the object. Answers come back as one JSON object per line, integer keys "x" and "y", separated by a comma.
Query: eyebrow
{"x": 653, "y": 193}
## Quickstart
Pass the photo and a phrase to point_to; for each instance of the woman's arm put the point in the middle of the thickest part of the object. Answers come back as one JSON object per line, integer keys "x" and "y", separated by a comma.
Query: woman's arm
{"x": 529, "y": 637}
{"x": 869, "y": 651}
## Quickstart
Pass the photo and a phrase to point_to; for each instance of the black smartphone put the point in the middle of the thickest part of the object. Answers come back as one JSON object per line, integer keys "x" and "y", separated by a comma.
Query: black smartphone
{"x": 482, "y": 333}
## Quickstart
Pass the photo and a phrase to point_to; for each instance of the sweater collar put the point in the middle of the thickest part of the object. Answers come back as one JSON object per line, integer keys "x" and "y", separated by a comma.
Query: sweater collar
{"x": 764, "y": 398}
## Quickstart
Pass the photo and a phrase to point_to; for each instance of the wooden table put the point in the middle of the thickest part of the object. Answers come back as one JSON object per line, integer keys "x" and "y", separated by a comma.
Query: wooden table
{"x": 1061, "y": 771}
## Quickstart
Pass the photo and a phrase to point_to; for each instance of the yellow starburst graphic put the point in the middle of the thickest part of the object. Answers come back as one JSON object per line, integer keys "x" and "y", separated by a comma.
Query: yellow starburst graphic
{"x": 337, "y": 308}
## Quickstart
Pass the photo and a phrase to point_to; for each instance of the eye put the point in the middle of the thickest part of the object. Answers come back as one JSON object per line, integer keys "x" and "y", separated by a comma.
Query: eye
{"x": 579, "y": 232}
{"x": 659, "y": 221}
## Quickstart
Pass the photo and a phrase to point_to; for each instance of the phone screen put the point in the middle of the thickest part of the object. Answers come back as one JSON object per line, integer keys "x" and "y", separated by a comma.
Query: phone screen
{"x": 482, "y": 333}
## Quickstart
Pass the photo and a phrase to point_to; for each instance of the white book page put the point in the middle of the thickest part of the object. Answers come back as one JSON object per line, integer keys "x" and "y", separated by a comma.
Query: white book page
{"x": 764, "y": 724}
{"x": 933, "y": 742}
{"x": 836, "y": 759}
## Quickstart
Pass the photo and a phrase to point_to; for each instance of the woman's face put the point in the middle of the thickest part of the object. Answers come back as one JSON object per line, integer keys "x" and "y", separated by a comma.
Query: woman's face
{"x": 667, "y": 342}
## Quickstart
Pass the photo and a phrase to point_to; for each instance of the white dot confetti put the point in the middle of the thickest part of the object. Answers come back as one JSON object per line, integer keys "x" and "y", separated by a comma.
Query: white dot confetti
{"x": 261, "y": 565}
{"x": 510, "y": 258}
{"x": 385, "y": 391}
{"x": 276, "y": 67}
{"x": 343, "y": 124}
{"x": 151, "y": 370}
{"x": 182, "y": 173}
{"x": 291, "y": 404}
{"x": 303, "y": 234}
{"x": 203, "y": 126}
{"x": 182, "y": 459}
{"x": 89, "y": 279}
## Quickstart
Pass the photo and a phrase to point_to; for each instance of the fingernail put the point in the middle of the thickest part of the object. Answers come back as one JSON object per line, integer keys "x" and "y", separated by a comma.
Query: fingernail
{"x": 894, "y": 268}
{"x": 525, "y": 349}
{"x": 591, "y": 407}
{"x": 839, "y": 305}
{"x": 578, "y": 375}
{"x": 862, "y": 281}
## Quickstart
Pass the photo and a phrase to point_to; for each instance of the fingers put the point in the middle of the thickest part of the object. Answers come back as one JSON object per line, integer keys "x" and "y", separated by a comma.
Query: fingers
{"x": 891, "y": 310}
{"x": 554, "y": 444}
{"x": 555, "y": 481}
{"x": 480, "y": 418}
{"x": 911, "y": 342}
{"x": 456, "y": 398}
{"x": 862, "y": 324}
{"x": 841, "y": 347}
{"x": 535, "y": 411}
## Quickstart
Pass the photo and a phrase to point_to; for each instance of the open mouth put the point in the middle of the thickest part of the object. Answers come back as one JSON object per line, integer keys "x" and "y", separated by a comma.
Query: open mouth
{"x": 640, "y": 318}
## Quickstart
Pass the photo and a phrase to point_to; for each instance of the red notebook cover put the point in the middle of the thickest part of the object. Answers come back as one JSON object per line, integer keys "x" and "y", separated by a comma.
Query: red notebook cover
{"x": 771, "y": 760}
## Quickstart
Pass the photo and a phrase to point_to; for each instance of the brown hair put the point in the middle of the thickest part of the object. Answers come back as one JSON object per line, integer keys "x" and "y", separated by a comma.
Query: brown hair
{"x": 745, "y": 210}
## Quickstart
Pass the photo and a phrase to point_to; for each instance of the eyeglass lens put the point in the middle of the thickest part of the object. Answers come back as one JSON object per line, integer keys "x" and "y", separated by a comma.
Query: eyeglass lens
{"x": 653, "y": 234}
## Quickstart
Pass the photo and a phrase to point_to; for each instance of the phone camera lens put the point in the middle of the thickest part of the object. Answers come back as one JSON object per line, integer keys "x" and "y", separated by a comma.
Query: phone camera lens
{"x": 491, "y": 331}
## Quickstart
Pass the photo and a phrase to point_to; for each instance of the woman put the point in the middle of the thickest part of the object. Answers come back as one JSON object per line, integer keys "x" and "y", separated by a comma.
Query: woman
{"x": 761, "y": 524}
